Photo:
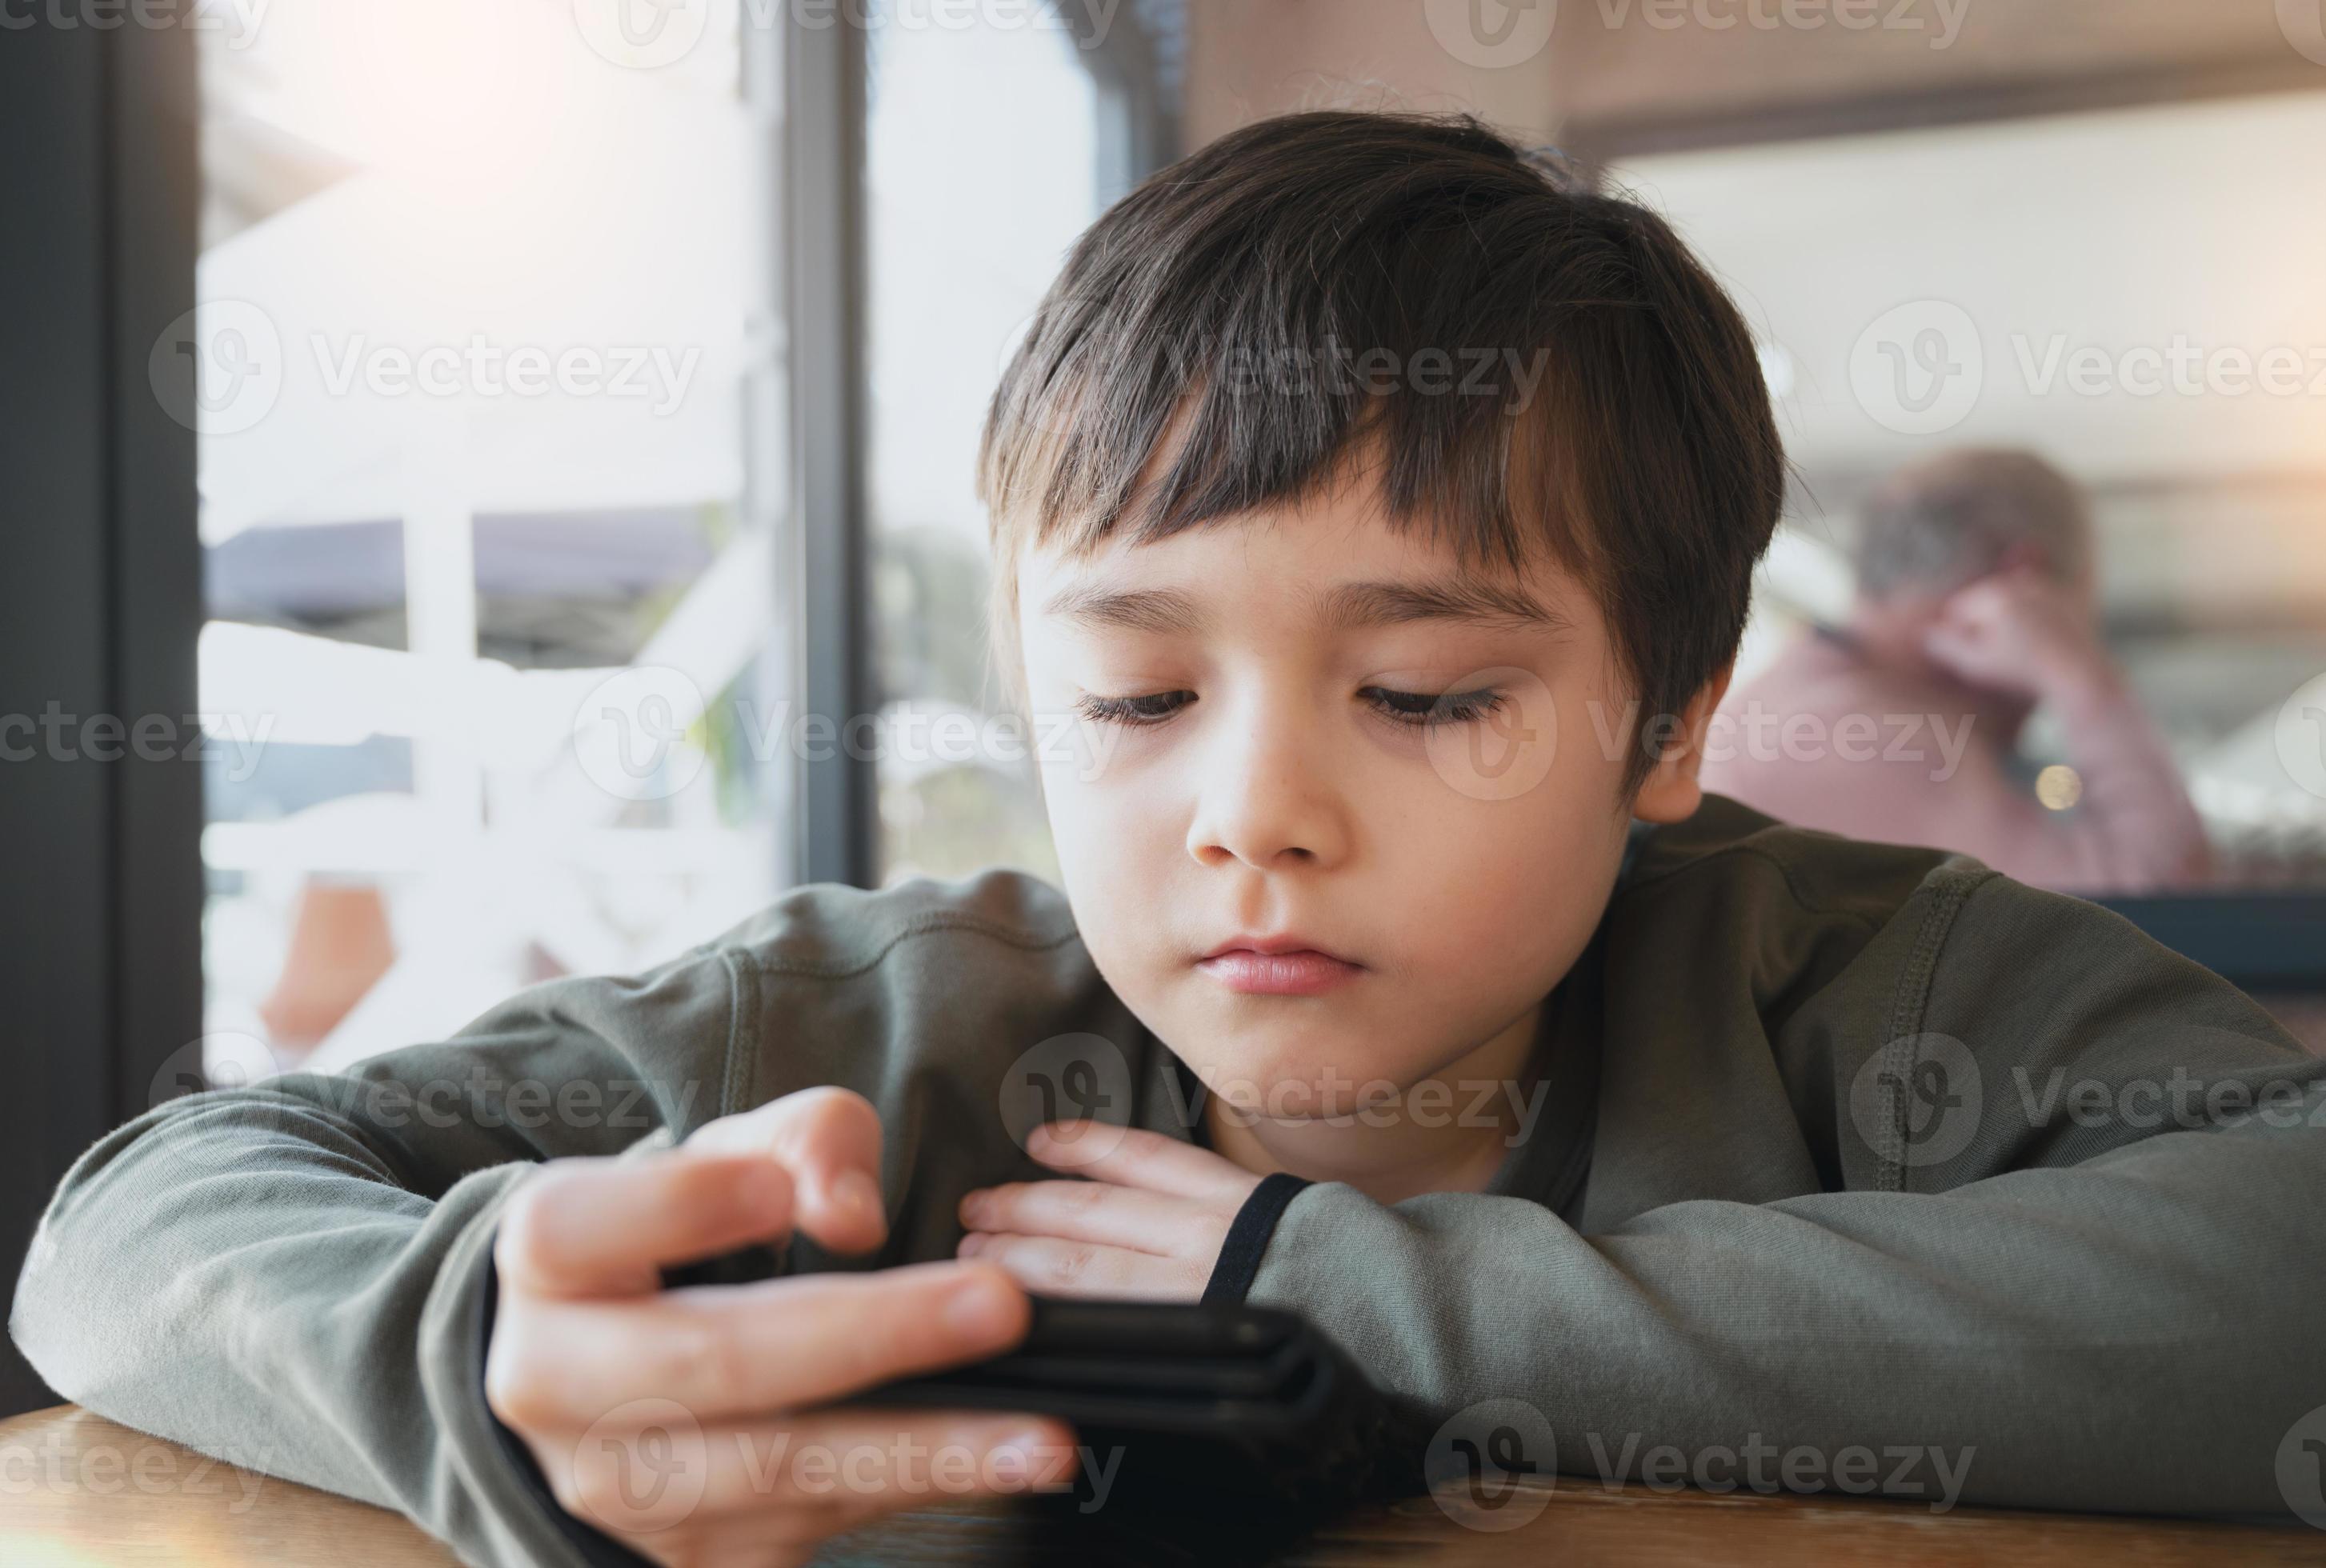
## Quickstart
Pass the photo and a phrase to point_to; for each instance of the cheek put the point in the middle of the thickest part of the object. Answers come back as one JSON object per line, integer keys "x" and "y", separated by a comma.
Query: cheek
{"x": 1500, "y": 890}
{"x": 1116, "y": 847}
{"x": 1489, "y": 881}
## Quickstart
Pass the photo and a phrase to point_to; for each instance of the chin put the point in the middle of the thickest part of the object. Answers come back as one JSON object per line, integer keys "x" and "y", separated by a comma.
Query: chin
{"x": 1289, "y": 1074}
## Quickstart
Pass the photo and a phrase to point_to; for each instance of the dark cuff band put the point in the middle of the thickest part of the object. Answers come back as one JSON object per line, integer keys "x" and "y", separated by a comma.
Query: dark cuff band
{"x": 1248, "y": 1238}
{"x": 592, "y": 1546}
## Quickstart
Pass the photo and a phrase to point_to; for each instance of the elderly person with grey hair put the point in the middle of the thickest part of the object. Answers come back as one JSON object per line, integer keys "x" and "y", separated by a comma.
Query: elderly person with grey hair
{"x": 1976, "y": 603}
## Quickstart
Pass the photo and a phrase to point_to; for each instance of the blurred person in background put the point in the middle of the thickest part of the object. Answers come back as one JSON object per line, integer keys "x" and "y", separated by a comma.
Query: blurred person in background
{"x": 1976, "y": 603}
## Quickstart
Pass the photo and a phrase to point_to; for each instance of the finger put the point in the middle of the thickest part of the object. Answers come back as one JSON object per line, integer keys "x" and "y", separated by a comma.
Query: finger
{"x": 1135, "y": 1158}
{"x": 1086, "y": 1211}
{"x": 880, "y": 1454}
{"x": 1048, "y": 1267}
{"x": 582, "y": 1228}
{"x": 747, "y": 1350}
{"x": 828, "y": 1140}
{"x": 805, "y": 1477}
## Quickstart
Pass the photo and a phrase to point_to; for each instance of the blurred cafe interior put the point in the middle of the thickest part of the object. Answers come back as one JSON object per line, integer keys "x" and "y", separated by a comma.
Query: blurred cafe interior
{"x": 2037, "y": 290}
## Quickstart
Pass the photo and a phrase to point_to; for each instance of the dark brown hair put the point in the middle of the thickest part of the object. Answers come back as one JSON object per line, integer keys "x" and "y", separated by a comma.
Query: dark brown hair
{"x": 1324, "y": 286}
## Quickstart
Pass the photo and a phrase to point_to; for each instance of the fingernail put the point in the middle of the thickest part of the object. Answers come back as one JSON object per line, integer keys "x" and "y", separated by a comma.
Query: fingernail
{"x": 855, "y": 1189}
{"x": 981, "y": 1308}
{"x": 970, "y": 1245}
{"x": 1039, "y": 1453}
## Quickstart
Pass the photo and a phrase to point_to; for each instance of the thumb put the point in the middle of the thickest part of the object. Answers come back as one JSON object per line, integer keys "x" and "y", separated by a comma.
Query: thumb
{"x": 828, "y": 1140}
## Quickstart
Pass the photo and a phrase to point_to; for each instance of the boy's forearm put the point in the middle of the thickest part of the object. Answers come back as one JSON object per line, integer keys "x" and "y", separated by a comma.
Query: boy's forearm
{"x": 287, "y": 1306}
{"x": 2128, "y": 1217}
{"x": 292, "y": 1277}
{"x": 2021, "y": 1333}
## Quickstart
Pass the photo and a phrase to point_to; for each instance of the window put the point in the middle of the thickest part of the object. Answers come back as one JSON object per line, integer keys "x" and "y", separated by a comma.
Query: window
{"x": 996, "y": 134}
{"x": 491, "y": 466}
{"x": 2128, "y": 294}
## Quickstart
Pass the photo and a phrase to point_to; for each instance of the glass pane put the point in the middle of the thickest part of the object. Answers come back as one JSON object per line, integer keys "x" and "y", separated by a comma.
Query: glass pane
{"x": 2032, "y": 286}
{"x": 983, "y": 166}
{"x": 487, "y": 428}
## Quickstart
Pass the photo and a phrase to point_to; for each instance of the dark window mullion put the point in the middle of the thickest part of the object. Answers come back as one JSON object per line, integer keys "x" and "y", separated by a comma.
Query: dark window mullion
{"x": 830, "y": 596}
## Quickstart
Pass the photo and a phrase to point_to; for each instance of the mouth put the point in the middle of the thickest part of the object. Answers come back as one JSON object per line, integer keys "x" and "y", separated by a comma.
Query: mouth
{"x": 1282, "y": 966}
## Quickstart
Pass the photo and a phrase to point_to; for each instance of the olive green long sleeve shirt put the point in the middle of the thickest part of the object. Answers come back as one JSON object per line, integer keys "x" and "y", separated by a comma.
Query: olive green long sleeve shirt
{"x": 1836, "y": 1146}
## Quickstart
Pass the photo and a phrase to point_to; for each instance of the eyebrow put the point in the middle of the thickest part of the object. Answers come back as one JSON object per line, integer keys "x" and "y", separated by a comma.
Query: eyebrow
{"x": 1350, "y": 607}
{"x": 1355, "y": 606}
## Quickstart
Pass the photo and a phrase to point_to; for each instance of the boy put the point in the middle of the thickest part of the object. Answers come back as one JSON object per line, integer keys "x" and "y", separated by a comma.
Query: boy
{"x": 1385, "y": 512}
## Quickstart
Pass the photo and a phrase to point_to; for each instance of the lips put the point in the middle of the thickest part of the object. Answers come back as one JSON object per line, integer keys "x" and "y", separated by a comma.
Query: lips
{"x": 1282, "y": 966}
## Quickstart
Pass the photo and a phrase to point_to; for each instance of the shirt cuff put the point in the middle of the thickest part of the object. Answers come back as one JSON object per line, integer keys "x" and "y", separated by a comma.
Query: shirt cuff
{"x": 589, "y": 1545}
{"x": 1248, "y": 1237}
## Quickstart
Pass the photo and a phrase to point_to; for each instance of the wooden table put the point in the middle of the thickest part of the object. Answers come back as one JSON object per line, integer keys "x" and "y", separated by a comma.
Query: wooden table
{"x": 78, "y": 1492}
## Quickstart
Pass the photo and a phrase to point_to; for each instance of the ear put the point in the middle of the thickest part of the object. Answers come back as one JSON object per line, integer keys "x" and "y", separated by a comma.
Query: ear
{"x": 1671, "y": 793}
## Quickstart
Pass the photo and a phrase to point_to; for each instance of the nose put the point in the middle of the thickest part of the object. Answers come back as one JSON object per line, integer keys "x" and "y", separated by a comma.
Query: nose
{"x": 1266, "y": 795}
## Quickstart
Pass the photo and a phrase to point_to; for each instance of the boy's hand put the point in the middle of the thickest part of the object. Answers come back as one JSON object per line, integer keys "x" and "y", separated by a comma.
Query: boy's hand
{"x": 670, "y": 1419}
{"x": 1147, "y": 1227}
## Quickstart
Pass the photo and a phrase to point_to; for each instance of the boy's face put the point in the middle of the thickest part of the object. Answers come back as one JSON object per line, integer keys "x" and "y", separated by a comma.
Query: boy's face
{"x": 1259, "y": 763}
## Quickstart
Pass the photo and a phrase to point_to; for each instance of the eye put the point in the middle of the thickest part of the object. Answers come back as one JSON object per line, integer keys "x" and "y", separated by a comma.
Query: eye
{"x": 1153, "y": 708}
{"x": 1434, "y": 708}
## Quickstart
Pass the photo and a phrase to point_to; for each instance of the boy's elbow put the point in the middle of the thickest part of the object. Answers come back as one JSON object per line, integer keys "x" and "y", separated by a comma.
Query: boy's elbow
{"x": 43, "y": 1312}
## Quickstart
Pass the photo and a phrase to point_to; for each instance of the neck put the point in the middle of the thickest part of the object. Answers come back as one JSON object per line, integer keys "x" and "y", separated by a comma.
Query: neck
{"x": 1448, "y": 1132}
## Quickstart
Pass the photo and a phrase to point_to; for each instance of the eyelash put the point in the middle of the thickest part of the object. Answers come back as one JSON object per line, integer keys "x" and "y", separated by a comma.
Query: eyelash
{"x": 1426, "y": 710}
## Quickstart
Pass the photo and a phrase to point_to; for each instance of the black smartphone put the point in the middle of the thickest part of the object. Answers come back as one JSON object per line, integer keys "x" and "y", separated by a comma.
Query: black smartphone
{"x": 1233, "y": 1399}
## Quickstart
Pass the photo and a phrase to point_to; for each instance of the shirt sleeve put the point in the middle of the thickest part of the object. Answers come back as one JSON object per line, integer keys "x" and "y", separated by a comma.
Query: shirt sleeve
{"x": 2070, "y": 1244}
{"x": 295, "y": 1277}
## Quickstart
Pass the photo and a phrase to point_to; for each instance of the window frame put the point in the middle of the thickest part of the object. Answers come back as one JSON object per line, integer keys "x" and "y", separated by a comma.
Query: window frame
{"x": 102, "y": 603}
